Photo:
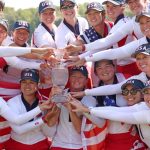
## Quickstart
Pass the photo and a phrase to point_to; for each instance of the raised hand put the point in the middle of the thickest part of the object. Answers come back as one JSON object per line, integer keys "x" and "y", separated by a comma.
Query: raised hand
{"x": 75, "y": 61}
{"x": 43, "y": 51}
{"x": 78, "y": 106}
{"x": 73, "y": 48}
{"x": 54, "y": 91}
{"x": 45, "y": 74}
{"x": 77, "y": 94}
{"x": 45, "y": 105}
{"x": 52, "y": 61}
{"x": 52, "y": 116}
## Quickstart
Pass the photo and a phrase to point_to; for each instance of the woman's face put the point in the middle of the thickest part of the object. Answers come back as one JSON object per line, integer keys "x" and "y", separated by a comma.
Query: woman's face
{"x": 20, "y": 36}
{"x": 137, "y": 6}
{"x": 113, "y": 11}
{"x": 77, "y": 81}
{"x": 147, "y": 96}
{"x": 69, "y": 10}
{"x": 95, "y": 17}
{"x": 48, "y": 16}
{"x": 3, "y": 33}
{"x": 132, "y": 95}
{"x": 143, "y": 62}
{"x": 145, "y": 25}
{"x": 105, "y": 71}
{"x": 28, "y": 87}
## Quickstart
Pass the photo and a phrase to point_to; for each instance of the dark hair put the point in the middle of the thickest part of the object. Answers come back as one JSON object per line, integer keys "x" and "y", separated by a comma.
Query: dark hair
{"x": 97, "y": 62}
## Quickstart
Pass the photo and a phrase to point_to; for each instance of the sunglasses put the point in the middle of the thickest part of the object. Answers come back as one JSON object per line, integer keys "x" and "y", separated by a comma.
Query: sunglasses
{"x": 68, "y": 7}
{"x": 126, "y": 92}
{"x": 145, "y": 91}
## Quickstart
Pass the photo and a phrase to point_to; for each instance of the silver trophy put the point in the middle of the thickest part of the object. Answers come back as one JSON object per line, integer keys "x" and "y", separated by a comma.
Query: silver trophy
{"x": 60, "y": 76}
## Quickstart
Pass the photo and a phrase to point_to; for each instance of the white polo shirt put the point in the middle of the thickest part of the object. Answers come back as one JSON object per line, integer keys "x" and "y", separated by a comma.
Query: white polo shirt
{"x": 66, "y": 135}
{"x": 42, "y": 37}
{"x": 65, "y": 36}
{"x": 29, "y": 134}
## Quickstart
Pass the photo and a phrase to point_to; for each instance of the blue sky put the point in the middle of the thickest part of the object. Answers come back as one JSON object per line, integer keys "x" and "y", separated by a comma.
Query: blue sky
{"x": 34, "y": 3}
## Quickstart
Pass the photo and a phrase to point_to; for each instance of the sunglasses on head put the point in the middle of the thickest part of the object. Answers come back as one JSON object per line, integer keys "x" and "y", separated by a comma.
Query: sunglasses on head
{"x": 126, "y": 92}
{"x": 68, "y": 7}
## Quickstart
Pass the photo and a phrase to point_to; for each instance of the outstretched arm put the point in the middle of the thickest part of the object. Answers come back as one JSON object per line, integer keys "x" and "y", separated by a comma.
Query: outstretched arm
{"x": 20, "y": 129}
{"x": 123, "y": 114}
{"x": 13, "y": 51}
{"x": 114, "y": 88}
{"x": 111, "y": 39}
{"x": 131, "y": 114}
{"x": 11, "y": 116}
{"x": 117, "y": 53}
{"x": 21, "y": 64}
{"x": 17, "y": 51}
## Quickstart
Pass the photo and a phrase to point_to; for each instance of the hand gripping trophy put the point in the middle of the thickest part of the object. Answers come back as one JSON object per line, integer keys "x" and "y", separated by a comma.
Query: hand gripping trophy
{"x": 60, "y": 76}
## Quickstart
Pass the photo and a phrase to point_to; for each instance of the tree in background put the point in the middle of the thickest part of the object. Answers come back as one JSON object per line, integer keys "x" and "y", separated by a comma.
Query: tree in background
{"x": 31, "y": 15}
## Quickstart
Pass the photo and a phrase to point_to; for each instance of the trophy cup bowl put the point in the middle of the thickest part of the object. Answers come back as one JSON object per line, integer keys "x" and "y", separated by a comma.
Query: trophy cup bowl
{"x": 60, "y": 77}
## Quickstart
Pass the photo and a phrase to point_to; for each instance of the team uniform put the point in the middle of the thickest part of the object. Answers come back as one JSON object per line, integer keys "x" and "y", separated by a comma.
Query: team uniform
{"x": 119, "y": 133}
{"x": 123, "y": 65}
{"x": 90, "y": 35}
{"x": 126, "y": 65}
{"x": 8, "y": 90}
{"x": 7, "y": 41}
{"x": 13, "y": 51}
{"x": 121, "y": 52}
{"x": 114, "y": 89}
{"x": 66, "y": 137}
{"x": 66, "y": 34}
{"x": 26, "y": 136}
{"x": 14, "y": 65}
{"x": 93, "y": 130}
{"x": 131, "y": 114}
{"x": 9, "y": 115}
{"x": 129, "y": 28}
{"x": 44, "y": 36}
{"x": 6, "y": 112}
{"x": 10, "y": 87}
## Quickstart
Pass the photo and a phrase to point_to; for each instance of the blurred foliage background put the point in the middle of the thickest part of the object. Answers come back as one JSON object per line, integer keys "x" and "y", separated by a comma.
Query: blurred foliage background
{"x": 31, "y": 15}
